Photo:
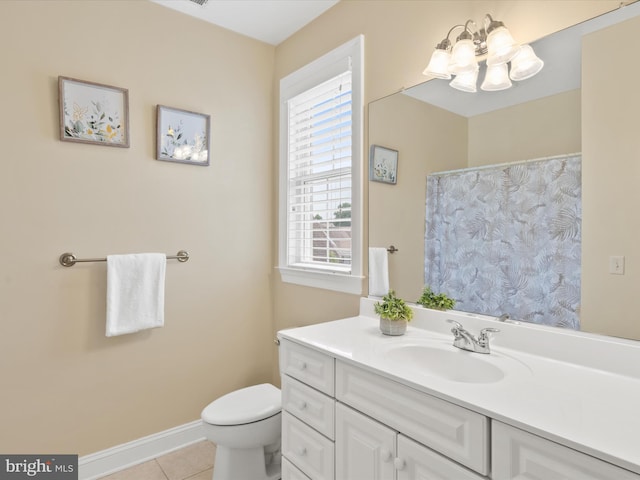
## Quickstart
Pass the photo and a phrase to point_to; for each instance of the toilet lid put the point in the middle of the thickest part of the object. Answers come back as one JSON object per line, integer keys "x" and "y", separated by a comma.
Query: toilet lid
{"x": 247, "y": 405}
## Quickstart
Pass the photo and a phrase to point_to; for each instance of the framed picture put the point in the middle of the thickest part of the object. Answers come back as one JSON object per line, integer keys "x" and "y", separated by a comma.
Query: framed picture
{"x": 383, "y": 164}
{"x": 183, "y": 136}
{"x": 93, "y": 113}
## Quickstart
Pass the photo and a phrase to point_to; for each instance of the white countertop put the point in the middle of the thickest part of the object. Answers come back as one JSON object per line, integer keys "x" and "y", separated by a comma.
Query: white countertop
{"x": 594, "y": 409}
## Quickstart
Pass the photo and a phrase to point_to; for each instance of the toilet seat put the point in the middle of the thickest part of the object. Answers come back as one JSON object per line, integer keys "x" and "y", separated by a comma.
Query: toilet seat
{"x": 247, "y": 405}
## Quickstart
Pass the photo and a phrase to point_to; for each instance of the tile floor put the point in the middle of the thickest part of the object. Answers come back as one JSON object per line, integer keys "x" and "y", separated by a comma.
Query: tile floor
{"x": 194, "y": 462}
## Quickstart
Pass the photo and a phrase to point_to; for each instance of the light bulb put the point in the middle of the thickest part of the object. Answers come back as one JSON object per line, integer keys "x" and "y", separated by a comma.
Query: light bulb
{"x": 466, "y": 82}
{"x": 463, "y": 57}
{"x": 438, "y": 65}
{"x": 496, "y": 78}
{"x": 501, "y": 46}
{"x": 525, "y": 64}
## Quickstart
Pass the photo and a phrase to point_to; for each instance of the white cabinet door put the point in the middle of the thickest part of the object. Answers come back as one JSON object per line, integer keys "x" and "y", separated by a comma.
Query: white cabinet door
{"x": 517, "y": 454}
{"x": 365, "y": 449}
{"x": 417, "y": 462}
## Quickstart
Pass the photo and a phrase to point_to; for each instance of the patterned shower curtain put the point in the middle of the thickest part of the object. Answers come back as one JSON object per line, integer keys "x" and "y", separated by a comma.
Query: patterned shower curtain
{"x": 507, "y": 239}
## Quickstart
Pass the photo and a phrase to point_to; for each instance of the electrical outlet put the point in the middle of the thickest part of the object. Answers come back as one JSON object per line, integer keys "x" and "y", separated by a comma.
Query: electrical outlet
{"x": 616, "y": 265}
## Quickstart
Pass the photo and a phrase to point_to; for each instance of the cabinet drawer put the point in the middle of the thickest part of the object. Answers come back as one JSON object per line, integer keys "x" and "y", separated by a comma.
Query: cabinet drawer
{"x": 291, "y": 472}
{"x": 519, "y": 454}
{"x": 307, "y": 449}
{"x": 417, "y": 461}
{"x": 312, "y": 407}
{"x": 307, "y": 365}
{"x": 456, "y": 432}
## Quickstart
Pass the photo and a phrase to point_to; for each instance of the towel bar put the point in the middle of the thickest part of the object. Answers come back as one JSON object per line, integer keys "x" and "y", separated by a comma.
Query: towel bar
{"x": 69, "y": 259}
{"x": 392, "y": 249}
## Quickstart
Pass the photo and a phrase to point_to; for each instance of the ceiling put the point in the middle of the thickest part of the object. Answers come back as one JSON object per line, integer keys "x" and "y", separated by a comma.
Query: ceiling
{"x": 270, "y": 21}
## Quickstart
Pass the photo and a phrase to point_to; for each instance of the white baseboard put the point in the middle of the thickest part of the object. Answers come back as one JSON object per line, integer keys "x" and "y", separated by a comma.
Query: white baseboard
{"x": 105, "y": 462}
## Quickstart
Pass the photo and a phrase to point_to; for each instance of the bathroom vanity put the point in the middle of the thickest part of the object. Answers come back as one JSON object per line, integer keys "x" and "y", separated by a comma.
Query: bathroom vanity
{"x": 542, "y": 405}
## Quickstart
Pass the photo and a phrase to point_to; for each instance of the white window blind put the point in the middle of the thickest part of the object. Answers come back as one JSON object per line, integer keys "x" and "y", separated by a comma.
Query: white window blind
{"x": 320, "y": 177}
{"x": 319, "y": 193}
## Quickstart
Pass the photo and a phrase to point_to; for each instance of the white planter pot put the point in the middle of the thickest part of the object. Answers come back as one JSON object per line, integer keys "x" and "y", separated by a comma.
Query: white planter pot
{"x": 393, "y": 327}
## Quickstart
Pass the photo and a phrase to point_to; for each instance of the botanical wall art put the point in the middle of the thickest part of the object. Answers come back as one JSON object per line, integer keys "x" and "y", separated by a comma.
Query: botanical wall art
{"x": 93, "y": 113}
{"x": 383, "y": 164}
{"x": 183, "y": 136}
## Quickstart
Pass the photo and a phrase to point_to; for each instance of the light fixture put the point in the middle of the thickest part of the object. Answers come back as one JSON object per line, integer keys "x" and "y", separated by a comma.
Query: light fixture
{"x": 466, "y": 82}
{"x": 525, "y": 64}
{"x": 463, "y": 54}
{"x": 496, "y": 78}
{"x": 493, "y": 43}
{"x": 438, "y": 66}
{"x": 501, "y": 47}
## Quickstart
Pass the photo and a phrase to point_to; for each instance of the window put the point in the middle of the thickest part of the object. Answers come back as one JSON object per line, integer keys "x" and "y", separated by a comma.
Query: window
{"x": 320, "y": 228}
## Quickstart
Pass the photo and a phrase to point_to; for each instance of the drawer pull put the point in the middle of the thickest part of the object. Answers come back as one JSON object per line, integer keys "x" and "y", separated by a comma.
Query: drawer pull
{"x": 302, "y": 404}
{"x": 385, "y": 455}
{"x": 302, "y": 451}
{"x": 399, "y": 463}
{"x": 302, "y": 365}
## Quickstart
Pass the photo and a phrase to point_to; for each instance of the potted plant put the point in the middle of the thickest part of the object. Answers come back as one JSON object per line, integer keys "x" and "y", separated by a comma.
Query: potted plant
{"x": 437, "y": 301}
{"x": 394, "y": 314}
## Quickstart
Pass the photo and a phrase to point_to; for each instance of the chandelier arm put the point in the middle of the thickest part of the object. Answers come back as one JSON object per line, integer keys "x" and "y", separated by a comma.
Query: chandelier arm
{"x": 453, "y": 28}
{"x": 466, "y": 26}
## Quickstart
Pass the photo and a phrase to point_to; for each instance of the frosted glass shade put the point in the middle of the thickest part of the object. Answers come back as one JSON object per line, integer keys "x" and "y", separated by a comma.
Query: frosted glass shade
{"x": 525, "y": 64}
{"x": 466, "y": 82}
{"x": 496, "y": 78}
{"x": 501, "y": 47}
{"x": 438, "y": 65}
{"x": 463, "y": 57}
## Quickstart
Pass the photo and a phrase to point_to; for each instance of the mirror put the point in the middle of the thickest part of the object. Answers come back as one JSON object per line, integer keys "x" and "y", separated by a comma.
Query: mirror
{"x": 589, "y": 109}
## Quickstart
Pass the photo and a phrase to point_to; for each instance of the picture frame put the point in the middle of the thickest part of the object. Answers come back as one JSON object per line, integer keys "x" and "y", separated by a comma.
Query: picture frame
{"x": 383, "y": 165}
{"x": 183, "y": 136}
{"x": 93, "y": 113}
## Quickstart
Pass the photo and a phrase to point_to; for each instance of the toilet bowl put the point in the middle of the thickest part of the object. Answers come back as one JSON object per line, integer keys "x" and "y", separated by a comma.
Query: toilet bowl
{"x": 245, "y": 425}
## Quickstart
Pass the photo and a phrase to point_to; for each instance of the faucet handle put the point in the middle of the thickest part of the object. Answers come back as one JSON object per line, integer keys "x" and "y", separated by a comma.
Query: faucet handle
{"x": 484, "y": 333}
{"x": 490, "y": 330}
{"x": 456, "y": 325}
{"x": 457, "y": 329}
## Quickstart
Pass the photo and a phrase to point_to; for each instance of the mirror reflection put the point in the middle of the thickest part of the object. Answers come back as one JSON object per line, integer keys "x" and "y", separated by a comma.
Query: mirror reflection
{"x": 572, "y": 106}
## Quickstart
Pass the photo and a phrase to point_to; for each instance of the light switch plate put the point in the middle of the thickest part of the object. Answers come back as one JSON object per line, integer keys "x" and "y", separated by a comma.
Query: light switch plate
{"x": 616, "y": 265}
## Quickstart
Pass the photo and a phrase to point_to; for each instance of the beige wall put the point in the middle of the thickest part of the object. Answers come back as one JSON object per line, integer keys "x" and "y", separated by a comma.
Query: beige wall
{"x": 610, "y": 173}
{"x": 428, "y": 140}
{"x": 65, "y": 386}
{"x": 399, "y": 38}
{"x": 537, "y": 129}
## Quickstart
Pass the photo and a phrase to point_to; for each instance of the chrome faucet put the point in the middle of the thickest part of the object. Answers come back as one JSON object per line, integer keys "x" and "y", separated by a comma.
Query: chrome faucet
{"x": 466, "y": 341}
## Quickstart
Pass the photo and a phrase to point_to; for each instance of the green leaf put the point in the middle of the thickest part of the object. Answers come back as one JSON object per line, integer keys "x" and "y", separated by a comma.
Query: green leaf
{"x": 437, "y": 301}
{"x": 393, "y": 308}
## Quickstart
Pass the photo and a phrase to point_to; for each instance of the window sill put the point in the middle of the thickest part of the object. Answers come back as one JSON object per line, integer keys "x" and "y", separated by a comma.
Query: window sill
{"x": 337, "y": 282}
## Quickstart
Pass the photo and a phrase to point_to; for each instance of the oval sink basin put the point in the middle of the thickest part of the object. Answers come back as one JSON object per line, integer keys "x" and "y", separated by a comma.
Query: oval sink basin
{"x": 449, "y": 363}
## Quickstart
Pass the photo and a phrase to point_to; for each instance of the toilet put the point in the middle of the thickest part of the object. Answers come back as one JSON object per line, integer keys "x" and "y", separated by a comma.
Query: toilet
{"x": 245, "y": 425}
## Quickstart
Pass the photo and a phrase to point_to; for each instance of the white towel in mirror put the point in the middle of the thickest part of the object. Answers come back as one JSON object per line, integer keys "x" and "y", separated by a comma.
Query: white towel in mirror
{"x": 135, "y": 292}
{"x": 378, "y": 272}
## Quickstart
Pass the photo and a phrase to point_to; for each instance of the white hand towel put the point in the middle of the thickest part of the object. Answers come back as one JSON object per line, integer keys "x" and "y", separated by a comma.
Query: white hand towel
{"x": 135, "y": 292}
{"x": 378, "y": 272}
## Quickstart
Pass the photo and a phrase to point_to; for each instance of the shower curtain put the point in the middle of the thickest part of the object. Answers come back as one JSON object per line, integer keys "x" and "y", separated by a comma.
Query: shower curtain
{"x": 507, "y": 239}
